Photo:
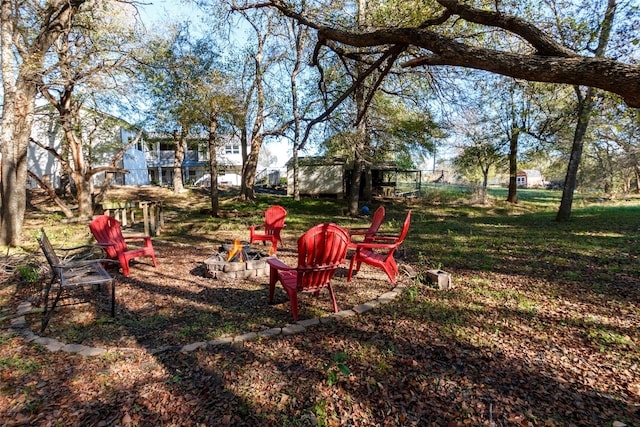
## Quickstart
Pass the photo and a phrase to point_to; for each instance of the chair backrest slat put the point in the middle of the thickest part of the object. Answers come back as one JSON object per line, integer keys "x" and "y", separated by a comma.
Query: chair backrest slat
{"x": 274, "y": 218}
{"x": 49, "y": 252}
{"x": 321, "y": 250}
{"x": 405, "y": 229}
{"x": 108, "y": 232}
{"x": 376, "y": 222}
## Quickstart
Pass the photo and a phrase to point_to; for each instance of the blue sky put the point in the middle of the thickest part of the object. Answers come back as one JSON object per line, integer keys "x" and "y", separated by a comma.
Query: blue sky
{"x": 161, "y": 11}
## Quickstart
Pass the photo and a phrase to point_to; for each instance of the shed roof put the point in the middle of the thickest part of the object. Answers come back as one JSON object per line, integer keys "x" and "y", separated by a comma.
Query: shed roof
{"x": 532, "y": 173}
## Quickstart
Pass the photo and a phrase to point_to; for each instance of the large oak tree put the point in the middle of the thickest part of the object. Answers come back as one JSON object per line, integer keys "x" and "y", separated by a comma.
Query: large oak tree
{"x": 426, "y": 44}
{"x": 28, "y": 31}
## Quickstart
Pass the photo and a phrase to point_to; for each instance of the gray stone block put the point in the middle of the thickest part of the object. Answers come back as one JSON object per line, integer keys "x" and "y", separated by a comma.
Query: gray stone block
{"x": 220, "y": 341}
{"x": 245, "y": 337}
{"x": 293, "y": 329}
{"x": 308, "y": 322}
{"x": 440, "y": 278}
{"x": 270, "y": 332}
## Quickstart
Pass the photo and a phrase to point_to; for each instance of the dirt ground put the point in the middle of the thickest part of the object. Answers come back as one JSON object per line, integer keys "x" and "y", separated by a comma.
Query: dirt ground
{"x": 500, "y": 349}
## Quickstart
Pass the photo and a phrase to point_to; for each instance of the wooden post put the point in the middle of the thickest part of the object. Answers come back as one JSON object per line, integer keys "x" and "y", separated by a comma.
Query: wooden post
{"x": 161, "y": 216}
{"x": 152, "y": 216}
{"x": 145, "y": 216}
{"x": 123, "y": 213}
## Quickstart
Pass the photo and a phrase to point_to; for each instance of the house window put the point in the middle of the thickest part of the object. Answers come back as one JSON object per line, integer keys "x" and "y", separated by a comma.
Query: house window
{"x": 167, "y": 146}
{"x": 232, "y": 149}
{"x": 137, "y": 145}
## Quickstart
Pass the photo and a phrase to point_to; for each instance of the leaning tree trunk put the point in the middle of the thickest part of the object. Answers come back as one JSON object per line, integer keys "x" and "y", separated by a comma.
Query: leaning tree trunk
{"x": 585, "y": 107}
{"x": 584, "y": 115}
{"x": 51, "y": 192}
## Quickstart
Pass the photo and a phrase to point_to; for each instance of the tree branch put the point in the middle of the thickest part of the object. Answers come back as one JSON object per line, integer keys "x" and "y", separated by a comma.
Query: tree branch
{"x": 551, "y": 62}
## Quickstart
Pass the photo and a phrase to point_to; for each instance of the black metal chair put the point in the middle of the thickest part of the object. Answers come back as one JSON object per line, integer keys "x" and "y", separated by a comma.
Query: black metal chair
{"x": 71, "y": 273}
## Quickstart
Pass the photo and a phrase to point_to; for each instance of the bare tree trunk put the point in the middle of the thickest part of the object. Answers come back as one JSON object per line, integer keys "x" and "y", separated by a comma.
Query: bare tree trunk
{"x": 368, "y": 185}
{"x": 244, "y": 150}
{"x": 180, "y": 141}
{"x": 296, "y": 171}
{"x": 213, "y": 164}
{"x": 299, "y": 40}
{"x": 361, "y": 130}
{"x": 512, "y": 197}
{"x": 485, "y": 182}
{"x": 250, "y": 168}
{"x": 17, "y": 120}
{"x": 82, "y": 181}
{"x": 358, "y": 161}
{"x": 19, "y": 92}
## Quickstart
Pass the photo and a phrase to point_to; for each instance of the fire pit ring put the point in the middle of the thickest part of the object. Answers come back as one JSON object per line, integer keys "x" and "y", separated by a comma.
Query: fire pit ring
{"x": 246, "y": 263}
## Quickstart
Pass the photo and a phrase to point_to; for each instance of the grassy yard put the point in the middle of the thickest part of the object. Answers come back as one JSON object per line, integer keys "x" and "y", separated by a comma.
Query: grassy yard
{"x": 540, "y": 329}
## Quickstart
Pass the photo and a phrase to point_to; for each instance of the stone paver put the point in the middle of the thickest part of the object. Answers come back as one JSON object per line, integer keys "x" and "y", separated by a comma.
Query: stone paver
{"x": 83, "y": 350}
{"x": 293, "y": 329}
{"x": 327, "y": 319}
{"x": 221, "y": 341}
{"x": 343, "y": 313}
{"x": 367, "y": 306}
{"x": 249, "y": 336}
{"x": 49, "y": 343}
{"x": 19, "y": 322}
{"x": 193, "y": 346}
{"x": 23, "y": 308}
{"x": 270, "y": 332}
{"x": 308, "y": 322}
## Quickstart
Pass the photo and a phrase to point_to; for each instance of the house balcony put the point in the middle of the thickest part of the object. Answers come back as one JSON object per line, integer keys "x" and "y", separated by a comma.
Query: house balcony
{"x": 166, "y": 158}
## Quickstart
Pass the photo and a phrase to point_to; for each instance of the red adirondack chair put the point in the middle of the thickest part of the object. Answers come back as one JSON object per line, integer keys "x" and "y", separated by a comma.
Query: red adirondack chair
{"x": 273, "y": 224}
{"x": 321, "y": 250}
{"x": 368, "y": 232}
{"x": 108, "y": 233}
{"x": 379, "y": 254}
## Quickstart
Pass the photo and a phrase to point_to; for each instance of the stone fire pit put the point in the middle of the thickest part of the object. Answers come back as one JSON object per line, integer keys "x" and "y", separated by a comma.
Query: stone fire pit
{"x": 247, "y": 263}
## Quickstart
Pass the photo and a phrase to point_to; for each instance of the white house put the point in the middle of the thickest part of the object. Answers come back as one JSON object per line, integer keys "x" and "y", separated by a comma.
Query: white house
{"x": 148, "y": 161}
{"x": 160, "y": 156}
{"x": 102, "y": 135}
